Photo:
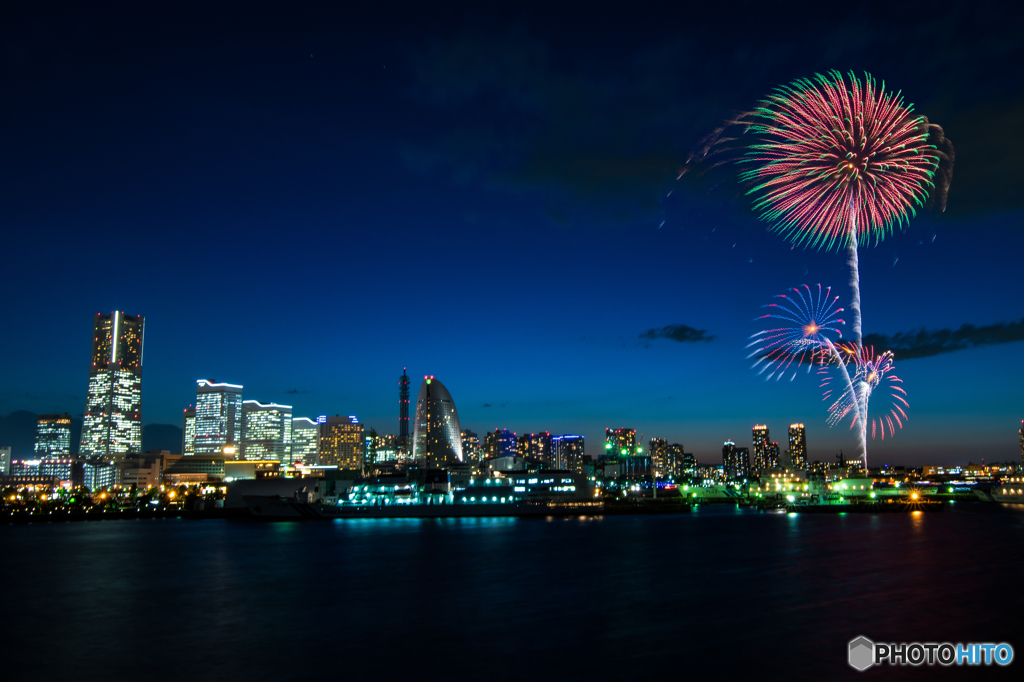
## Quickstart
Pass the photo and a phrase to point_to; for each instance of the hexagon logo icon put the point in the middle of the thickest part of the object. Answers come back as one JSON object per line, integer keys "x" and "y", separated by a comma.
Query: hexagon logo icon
{"x": 862, "y": 653}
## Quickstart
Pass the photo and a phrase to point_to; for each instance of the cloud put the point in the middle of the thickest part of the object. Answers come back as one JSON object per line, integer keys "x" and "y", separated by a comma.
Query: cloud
{"x": 922, "y": 343}
{"x": 487, "y": 404}
{"x": 678, "y": 332}
{"x": 296, "y": 391}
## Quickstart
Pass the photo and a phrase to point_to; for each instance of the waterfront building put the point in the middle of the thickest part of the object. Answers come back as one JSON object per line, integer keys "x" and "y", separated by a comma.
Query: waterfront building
{"x": 635, "y": 467}
{"x": 567, "y": 453}
{"x": 112, "y": 424}
{"x": 145, "y": 470}
{"x": 686, "y": 463}
{"x": 437, "y": 437}
{"x": 772, "y": 457}
{"x": 305, "y": 446}
{"x": 657, "y": 448}
{"x": 58, "y": 467}
{"x": 403, "y": 416}
{"x": 5, "y": 460}
{"x": 25, "y": 467}
{"x": 798, "y": 446}
{"x": 218, "y": 418}
{"x": 266, "y": 431}
{"x": 342, "y": 443}
{"x": 761, "y": 444}
{"x": 53, "y": 436}
{"x": 620, "y": 442}
{"x": 385, "y": 448}
{"x": 195, "y": 469}
{"x": 188, "y": 431}
{"x": 470, "y": 446}
{"x": 735, "y": 461}
{"x": 523, "y": 446}
{"x": 97, "y": 474}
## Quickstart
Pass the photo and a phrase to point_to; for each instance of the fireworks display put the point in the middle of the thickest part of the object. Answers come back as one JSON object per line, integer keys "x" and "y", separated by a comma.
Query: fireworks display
{"x": 801, "y": 320}
{"x": 836, "y": 161}
{"x": 873, "y": 377}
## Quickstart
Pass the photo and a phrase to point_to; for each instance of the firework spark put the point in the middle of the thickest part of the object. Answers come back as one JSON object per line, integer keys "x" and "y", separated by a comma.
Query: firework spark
{"x": 838, "y": 160}
{"x": 873, "y": 376}
{"x": 807, "y": 318}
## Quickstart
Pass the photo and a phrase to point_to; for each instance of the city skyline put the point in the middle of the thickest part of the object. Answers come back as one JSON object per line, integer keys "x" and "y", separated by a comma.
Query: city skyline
{"x": 534, "y": 174}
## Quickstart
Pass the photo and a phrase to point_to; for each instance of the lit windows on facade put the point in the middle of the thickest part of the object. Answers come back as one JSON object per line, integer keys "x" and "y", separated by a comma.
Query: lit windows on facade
{"x": 342, "y": 443}
{"x": 53, "y": 436}
{"x": 567, "y": 453}
{"x": 471, "y": 450}
{"x": 385, "y": 448}
{"x": 112, "y": 424}
{"x": 305, "y": 446}
{"x": 266, "y": 431}
{"x": 620, "y": 442}
{"x": 735, "y": 462}
{"x": 761, "y": 445}
{"x": 798, "y": 446}
{"x": 437, "y": 436}
{"x": 188, "y": 431}
{"x": 218, "y": 418}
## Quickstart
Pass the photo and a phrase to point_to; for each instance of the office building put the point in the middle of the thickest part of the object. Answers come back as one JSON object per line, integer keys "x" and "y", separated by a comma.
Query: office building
{"x": 403, "y": 416}
{"x": 218, "y": 418}
{"x": 471, "y": 451}
{"x": 385, "y": 448}
{"x": 657, "y": 448}
{"x": 98, "y": 474}
{"x": 437, "y": 437}
{"x": 735, "y": 461}
{"x": 5, "y": 460}
{"x": 188, "y": 431}
{"x": 266, "y": 431}
{"x": 798, "y": 446}
{"x": 53, "y": 436}
{"x": 1021, "y": 435}
{"x": 686, "y": 463}
{"x": 761, "y": 444}
{"x": 567, "y": 453}
{"x": 59, "y": 468}
{"x": 112, "y": 424}
{"x": 305, "y": 445}
{"x": 620, "y": 442}
{"x": 342, "y": 443}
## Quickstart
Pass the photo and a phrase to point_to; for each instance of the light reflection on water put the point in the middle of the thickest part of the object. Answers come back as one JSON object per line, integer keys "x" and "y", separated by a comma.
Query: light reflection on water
{"x": 721, "y": 592}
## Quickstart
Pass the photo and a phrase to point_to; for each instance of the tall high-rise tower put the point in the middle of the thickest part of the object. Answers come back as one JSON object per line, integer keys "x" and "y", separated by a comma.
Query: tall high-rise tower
{"x": 403, "y": 416}
{"x": 218, "y": 418}
{"x": 112, "y": 426}
{"x": 188, "y": 431}
{"x": 437, "y": 438}
{"x": 798, "y": 446}
{"x": 53, "y": 436}
{"x": 761, "y": 446}
{"x": 266, "y": 431}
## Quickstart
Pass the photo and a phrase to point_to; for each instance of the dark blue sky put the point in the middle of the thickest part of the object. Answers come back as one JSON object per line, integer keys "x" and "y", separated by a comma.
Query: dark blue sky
{"x": 306, "y": 199}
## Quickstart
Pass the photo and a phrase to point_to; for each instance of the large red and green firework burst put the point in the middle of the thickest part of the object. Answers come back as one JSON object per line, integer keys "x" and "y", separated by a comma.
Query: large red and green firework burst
{"x": 834, "y": 159}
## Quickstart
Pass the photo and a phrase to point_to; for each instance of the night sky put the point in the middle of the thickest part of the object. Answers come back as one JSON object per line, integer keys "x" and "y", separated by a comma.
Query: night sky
{"x": 307, "y": 199}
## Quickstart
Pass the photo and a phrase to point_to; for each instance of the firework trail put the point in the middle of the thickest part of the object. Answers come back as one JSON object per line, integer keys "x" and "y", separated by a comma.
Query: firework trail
{"x": 873, "y": 377}
{"x": 841, "y": 162}
{"x": 807, "y": 318}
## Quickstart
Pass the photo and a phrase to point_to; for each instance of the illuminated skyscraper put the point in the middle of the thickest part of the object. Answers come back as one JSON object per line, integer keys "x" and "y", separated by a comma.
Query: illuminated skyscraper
{"x": 112, "y": 426}
{"x": 773, "y": 456}
{"x": 5, "y": 460}
{"x": 470, "y": 446}
{"x": 620, "y": 442}
{"x": 53, "y": 436}
{"x": 266, "y": 431}
{"x": 567, "y": 453}
{"x": 385, "y": 448}
{"x": 436, "y": 438}
{"x": 798, "y": 446}
{"x": 657, "y": 448}
{"x": 218, "y": 418}
{"x": 761, "y": 445}
{"x": 735, "y": 461}
{"x": 403, "y": 415}
{"x": 342, "y": 443}
{"x": 188, "y": 431}
{"x": 305, "y": 441}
